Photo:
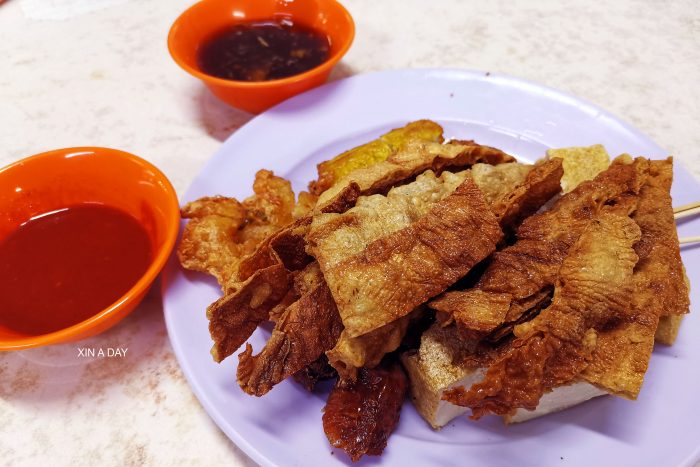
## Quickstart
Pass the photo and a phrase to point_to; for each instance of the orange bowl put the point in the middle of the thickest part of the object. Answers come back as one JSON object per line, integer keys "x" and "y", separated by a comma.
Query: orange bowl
{"x": 205, "y": 19}
{"x": 67, "y": 177}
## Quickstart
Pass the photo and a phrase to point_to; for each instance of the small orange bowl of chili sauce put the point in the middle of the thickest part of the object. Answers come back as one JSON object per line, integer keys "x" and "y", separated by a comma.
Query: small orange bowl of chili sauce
{"x": 255, "y": 54}
{"x": 83, "y": 234}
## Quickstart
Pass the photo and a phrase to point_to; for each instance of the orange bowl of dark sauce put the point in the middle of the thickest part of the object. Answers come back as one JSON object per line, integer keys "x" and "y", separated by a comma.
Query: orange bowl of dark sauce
{"x": 83, "y": 234}
{"x": 255, "y": 54}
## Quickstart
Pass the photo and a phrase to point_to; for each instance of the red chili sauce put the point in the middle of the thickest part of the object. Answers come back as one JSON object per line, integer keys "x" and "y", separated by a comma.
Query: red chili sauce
{"x": 263, "y": 50}
{"x": 63, "y": 267}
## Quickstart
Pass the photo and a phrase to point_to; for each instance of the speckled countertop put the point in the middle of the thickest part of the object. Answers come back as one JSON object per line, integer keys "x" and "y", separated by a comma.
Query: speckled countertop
{"x": 79, "y": 72}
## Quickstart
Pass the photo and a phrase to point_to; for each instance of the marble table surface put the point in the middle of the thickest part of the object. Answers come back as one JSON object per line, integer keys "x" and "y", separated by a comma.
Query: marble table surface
{"x": 97, "y": 72}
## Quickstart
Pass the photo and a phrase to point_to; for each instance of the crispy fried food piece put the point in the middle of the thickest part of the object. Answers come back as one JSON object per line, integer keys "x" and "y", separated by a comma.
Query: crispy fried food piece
{"x": 367, "y": 350}
{"x": 658, "y": 249}
{"x": 287, "y": 246}
{"x": 496, "y": 181}
{"x": 311, "y": 374}
{"x": 305, "y": 205}
{"x": 580, "y": 164}
{"x": 477, "y": 312}
{"x": 360, "y": 416}
{"x": 622, "y": 354}
{"x": 329, "y": 172}
{"x": 592, "y": 293}
{"x": 334, "y": 237}
{"x": 222, "y": 231}
{"x": 208, "y": 242}
{"x": 397, "y": 209}
{"x": 303, "y": 332}
{"x": 667, "y": 331}
{"x": 273, "y": 202}
{"x": 215, "y": 206}
{"x": 540, "y": 185}
{"x": 234, "y": 317}
{"x": 413, "y": 160}
{"x": 531, "y": 265}
{"x": 398, "y": 272}
{"x": 521, "y": 311}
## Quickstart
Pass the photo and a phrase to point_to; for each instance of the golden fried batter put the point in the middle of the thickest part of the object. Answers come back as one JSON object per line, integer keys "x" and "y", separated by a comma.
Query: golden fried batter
{"x": 496, "y": 181}
{"x": 334, "y": 237}
{"x": 222, "y": 231}
{"x": 580, "y": 164}
{"x": 209, "y": 239}
{"x": 329, "y": 172}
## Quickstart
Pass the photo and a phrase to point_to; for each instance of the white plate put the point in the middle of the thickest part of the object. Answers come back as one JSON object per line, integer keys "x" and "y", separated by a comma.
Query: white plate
{"x": 284, "y": 427}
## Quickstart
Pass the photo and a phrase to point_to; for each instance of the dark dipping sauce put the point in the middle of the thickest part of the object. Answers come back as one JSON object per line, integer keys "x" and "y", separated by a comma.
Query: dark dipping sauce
{"x": 63, "y": 267}
{"x": 263, "y": 50}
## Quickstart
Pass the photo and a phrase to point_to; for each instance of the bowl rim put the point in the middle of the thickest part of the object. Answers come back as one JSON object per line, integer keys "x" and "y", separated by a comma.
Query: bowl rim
{"x": 136, "y": 292}
{"x": 326, "y": 65}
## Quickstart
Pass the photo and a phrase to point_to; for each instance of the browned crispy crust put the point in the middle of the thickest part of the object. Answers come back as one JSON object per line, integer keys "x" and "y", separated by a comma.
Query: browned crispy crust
{"x": 360, "y": 416}
{"x": 592, "y": 293}
{"x": 367, "y": 350}
{"x": 398, "y": 272}
{"x": 659, "y": 251}
{"x": 540, "y": 185}
{"x": 222, "y": 231}
{"x": 311, "y": 374}
{"x": 622, "y": 353}
{"x": 477, "y": 312}
{"x": 343, "y": 200}
{"x": 287, "y": 246}
{"x": 528, "y": 267}
{"x": 307, "y": 328}
{"x": 234, "y": 317}
{"x": 272, "y": 205}
{"x": 208, "y": 240}
{"x": 284, "y": 252}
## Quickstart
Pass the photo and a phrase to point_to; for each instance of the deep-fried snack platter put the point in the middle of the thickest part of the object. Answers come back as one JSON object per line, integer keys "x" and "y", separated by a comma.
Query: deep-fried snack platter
{"x": 449, "y": 271}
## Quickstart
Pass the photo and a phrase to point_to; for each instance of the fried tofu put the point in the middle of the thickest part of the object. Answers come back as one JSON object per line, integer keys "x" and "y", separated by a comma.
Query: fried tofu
{"x": 432, "y": 371}
{"x": 580, "y": 164}
{"x": 667, "y": 330}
